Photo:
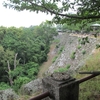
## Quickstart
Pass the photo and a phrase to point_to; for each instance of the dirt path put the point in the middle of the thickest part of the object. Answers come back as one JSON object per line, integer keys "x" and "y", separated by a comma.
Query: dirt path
{"x": 47, "y": 64}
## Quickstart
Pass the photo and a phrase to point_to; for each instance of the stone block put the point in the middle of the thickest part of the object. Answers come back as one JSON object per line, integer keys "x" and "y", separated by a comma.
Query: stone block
{"x": 61, "y": 89}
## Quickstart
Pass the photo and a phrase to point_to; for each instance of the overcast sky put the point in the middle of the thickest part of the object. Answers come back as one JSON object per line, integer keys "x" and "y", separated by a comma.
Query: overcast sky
{"x": 10, "y": 17}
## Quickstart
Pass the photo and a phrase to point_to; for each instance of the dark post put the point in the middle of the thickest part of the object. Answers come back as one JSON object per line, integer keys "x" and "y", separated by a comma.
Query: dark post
{"x": 61, "y": 87}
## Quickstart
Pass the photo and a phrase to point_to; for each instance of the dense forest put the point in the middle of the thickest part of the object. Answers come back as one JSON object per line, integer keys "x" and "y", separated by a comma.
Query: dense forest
{"x": 22, "y": 51}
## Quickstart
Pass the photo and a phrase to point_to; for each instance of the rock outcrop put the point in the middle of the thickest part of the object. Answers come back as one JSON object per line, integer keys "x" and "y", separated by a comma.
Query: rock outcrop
{"x": 32, "y": 87}
{"x": 8, "y": 94}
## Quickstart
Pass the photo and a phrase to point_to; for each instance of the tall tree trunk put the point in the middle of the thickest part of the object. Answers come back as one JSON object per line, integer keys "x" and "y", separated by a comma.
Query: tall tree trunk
{"x": 15, "y": 60}
{"x": 8, "y": 66}
{"x": 10, "y": 78}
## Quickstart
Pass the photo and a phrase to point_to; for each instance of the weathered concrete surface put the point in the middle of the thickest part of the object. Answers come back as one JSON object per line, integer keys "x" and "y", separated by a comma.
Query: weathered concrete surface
{"x": 61, "y": 90}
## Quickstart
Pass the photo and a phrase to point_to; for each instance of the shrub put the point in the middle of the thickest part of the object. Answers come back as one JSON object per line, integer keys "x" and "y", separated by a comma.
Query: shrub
{"x": 87, "y": 39}
{"x": 32, "y": 73}
{"x": 79, "y": 47}
{"x": 83, "y": 52}
{"x": 54, "y": 59}
{"x": 19, "y": 82}
{"x": 68, "y": 66}
{"x": 61, "y": 49}
{"x": 64, "y": 69}
{"x": 79, "y": 39}
{"x": 4, "y": 86}
{"x": 82, "y": 42}
{"x": 73, "y": 55}
{"x": 97, "y": 46}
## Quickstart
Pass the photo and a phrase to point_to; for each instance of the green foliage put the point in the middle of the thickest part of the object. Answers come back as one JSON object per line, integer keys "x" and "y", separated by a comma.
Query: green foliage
{"x": 86, "y": 9}
{"x": 79, "y": 47}
{"x": 56, "y": 40}
{"x": 31, "y": 69}
{"x": 54, "y": 59}
{"x": 63, "y": 69}
{"x": 84, "y": 52}
{"x": 73, "y": 55}
{"x": 59, "y": 52}
{"x": 2, "y": 32}
{"x": 28, "y": 71}
{"x": 68, "y": 66}
{"x": 23, "y": 74}
{"x": 4, "y": 86}
{"x": 79, "y": 39}
{"x": 97, "y": 46}
{"x": 31, "y": 46}
{"x": 5, "y": 55}
{"x": 61, "y": 49}
{"x": 84, "y": 40}
{"x": 32, "y": 72}
{"x": 17, "y": 72}
{"x": 30, "y": 41}
{"x": 20, "y": 81}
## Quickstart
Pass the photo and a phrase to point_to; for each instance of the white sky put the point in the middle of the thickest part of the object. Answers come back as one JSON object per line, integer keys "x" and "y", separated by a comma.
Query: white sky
{"x": 10, "y": 17}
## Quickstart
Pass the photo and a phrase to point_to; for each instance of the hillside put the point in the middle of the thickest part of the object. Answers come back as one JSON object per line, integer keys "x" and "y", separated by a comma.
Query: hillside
{"x": 69, "y": 50}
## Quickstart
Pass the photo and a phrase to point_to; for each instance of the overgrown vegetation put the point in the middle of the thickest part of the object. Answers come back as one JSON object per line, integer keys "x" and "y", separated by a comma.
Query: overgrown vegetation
{"x": 83, "y": 41}
{"x": 63, "y": 69}
{"x": 97, "y": 46}
{"x": 56, "y": 41}
{"x": 61, "y": 49}
{"x": 73, "y": 55}
{"x": 54, "y": 59}
{"x": 22, "y": 51}
{"x": 90, "y": 90}
{"x": 59, "y": 52}
{"x": 78, "y": 46}
{"x": 84, "y": 52}
{"x": 4, "y": 86}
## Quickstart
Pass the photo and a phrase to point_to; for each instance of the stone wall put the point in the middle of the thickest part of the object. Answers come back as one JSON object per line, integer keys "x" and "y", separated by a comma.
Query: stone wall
{"x": 71, "y": 44}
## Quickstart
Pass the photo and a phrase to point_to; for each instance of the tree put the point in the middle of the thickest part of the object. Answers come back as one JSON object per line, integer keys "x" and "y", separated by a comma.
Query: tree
{"x": 83, "y": 9}
{"x": 2, "y": 32}
{"x": 22, "y": 51}
{"x": 6, "y": 62}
